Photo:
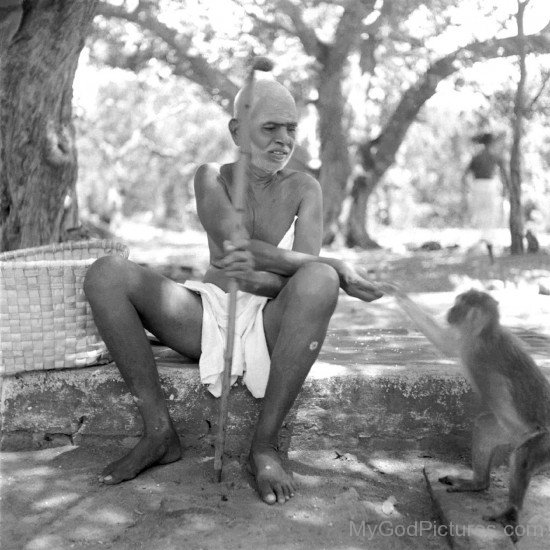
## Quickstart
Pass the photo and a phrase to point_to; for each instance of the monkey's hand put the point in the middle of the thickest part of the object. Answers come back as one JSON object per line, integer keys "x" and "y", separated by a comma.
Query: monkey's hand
{"x": 463, "y": 484}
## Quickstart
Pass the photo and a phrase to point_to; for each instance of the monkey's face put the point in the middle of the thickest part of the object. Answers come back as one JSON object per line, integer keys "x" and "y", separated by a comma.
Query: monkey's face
{"x": 456, "y": 314}
{"x": 474, "y": 308}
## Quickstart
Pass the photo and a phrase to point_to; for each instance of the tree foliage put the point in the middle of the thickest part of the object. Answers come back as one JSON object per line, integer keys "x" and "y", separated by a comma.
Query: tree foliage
{"x": 369, "y": 67}
{"x": 144, "y": 136}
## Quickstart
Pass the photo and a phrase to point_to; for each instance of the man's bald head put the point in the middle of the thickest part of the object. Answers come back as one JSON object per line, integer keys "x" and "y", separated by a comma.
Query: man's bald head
{"x": 273, "y": 120}
{"x": 265, "y": 93}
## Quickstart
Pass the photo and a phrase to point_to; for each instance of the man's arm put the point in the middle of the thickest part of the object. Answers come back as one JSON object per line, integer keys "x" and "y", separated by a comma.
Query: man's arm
{"x": 286, "y": 262}
{"x": 263, "y": 283}
{"x": 216, "y": 213}
{"x": 307, "y": 239}
{"x": 307, "y": 245}
{"x": 221, "y": 222}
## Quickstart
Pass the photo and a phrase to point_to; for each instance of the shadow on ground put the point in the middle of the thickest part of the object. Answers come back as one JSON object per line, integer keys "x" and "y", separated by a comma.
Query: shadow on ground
{"x": 51, "y": 500}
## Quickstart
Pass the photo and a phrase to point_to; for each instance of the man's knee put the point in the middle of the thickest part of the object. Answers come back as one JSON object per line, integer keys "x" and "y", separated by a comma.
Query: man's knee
{"x": 317, "y": 284}
{"x": 105, "y": 273}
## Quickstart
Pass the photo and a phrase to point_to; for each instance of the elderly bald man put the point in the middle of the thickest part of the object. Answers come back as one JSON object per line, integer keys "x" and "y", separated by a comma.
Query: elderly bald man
{"x": 286, "y": 299}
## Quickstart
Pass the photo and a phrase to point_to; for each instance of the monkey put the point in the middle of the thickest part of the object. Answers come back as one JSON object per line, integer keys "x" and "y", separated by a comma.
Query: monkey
{"x": 513, "y": 391}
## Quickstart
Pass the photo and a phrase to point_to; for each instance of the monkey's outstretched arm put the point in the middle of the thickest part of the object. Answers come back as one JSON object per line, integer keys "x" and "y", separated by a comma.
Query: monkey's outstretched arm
{"x": 444, "y": 339}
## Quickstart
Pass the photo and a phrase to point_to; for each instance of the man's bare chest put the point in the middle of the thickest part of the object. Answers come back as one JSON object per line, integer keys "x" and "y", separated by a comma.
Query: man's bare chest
{"x": 269, "y": 219}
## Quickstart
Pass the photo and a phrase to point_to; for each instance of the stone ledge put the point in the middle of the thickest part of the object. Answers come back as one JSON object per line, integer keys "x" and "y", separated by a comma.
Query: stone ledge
{"x": 378, "y": 384}
{"x": 419, "y": 407}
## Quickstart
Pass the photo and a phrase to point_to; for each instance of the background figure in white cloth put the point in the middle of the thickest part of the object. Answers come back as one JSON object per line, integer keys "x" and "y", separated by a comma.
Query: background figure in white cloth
{"x": 486, "y": 189}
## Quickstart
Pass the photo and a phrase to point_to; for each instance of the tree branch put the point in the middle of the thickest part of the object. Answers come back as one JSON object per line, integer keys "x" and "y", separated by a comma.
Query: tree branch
{"x": 536, "y": 97}
{"x": 307, "y": 36}
{"x": 193, "y": 67}
{"x": 348, "y": 30}
{"x": 417, "y": 95}
{"x": 270, "y": 23}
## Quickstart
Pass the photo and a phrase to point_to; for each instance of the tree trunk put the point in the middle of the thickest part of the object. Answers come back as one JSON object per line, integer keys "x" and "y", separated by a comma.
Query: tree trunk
{"x": 363, "y": 186}
{"x": 356, "y": 232}
{"x": 516, "y": 215}
{"x": 37, "y": 147}
{"x": 11, "y": 12}
{"x": 335, "y": 166}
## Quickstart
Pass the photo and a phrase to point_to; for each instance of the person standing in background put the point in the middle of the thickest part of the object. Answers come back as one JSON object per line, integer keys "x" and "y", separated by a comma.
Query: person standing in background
{"x": 485, "y": 189}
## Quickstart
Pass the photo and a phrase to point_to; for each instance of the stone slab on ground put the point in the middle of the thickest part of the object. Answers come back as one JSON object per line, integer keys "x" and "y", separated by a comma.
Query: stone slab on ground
{"x": 462, "y": 513}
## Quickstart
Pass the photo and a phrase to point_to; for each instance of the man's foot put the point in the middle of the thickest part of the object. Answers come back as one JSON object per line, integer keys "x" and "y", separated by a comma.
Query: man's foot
{"x": 150, "y": 451}
{"x": 274, "y": 484}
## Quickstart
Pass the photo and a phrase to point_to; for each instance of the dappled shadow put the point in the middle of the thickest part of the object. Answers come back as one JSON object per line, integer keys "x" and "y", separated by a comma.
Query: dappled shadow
{"x": 51, "y": 499}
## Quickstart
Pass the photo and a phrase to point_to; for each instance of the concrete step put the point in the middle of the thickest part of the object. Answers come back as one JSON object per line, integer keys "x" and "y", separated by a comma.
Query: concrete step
{"x": 378, "y": 384}
{"x": 339, "y": 406}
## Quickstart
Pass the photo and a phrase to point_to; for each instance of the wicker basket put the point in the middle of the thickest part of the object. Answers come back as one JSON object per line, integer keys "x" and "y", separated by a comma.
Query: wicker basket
{"x": 45, "y": 320}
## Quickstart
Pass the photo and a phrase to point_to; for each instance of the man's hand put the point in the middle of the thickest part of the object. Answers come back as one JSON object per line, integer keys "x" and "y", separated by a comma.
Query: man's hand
{"x": 354, "y": 281}
{"x": 238, "y": 262}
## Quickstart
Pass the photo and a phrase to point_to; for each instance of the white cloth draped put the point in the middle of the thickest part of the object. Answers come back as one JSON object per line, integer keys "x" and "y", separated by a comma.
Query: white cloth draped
{"x": 486, "y": 206}
{"x": 250, "y": 354}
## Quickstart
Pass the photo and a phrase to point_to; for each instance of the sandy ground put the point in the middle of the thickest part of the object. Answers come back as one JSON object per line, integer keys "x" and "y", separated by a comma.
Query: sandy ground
{"x": 51, "y": 500}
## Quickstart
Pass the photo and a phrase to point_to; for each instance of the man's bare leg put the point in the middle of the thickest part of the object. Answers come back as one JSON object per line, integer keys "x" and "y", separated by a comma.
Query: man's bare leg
{"x": 125, "y": 298}
{"x": 295, "y": 325}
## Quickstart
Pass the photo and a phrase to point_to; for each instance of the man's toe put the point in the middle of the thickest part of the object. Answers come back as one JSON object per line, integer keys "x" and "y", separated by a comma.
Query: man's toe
{"x": 108, "y": 480}
{"x": 279, "y": 493}
{"x": 292, "y": 487}
{"x": 107, "y": 471}
{"x": 266, "y": 492}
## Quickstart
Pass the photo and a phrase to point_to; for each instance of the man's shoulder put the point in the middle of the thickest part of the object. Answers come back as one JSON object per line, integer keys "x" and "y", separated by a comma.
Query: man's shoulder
{"x": 303, "y": 179}
{"x": 305, "y": 185}
{"x": 211, "y": 172}
{"x": 208, "y": 169}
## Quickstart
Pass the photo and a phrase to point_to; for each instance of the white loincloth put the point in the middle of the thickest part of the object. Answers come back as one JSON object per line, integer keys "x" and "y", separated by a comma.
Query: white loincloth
{"x": 250, "y": 354}
{"x": 486, "y": 206}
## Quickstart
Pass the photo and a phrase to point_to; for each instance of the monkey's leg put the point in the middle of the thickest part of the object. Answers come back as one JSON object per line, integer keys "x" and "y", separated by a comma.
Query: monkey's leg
{"x": 487, "y": 437}
{"x": 526, "y": 458}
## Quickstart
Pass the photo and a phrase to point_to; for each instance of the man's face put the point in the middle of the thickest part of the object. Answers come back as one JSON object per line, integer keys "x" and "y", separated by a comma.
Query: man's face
{"x": 272, "y": 133}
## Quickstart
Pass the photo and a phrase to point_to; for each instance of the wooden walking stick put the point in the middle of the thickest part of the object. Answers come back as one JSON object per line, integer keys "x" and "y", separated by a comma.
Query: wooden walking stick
{"x": 239, "y": 185}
